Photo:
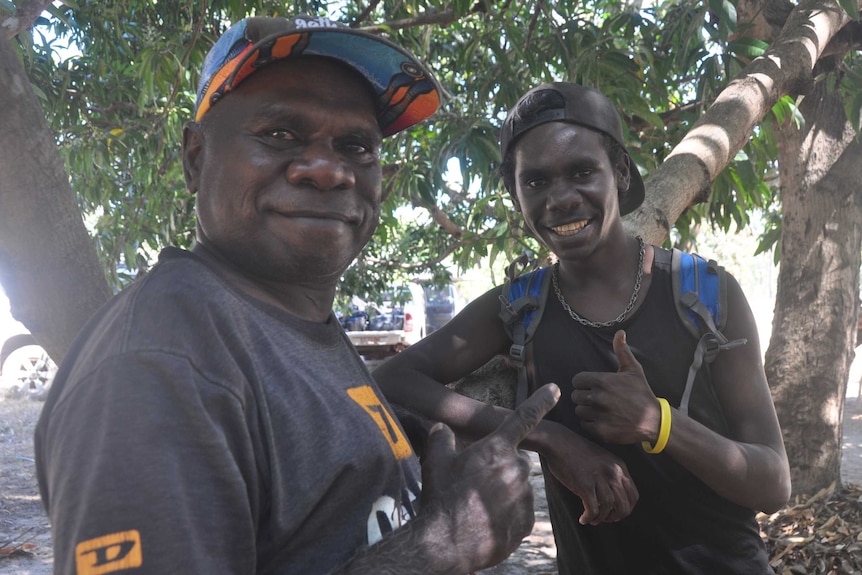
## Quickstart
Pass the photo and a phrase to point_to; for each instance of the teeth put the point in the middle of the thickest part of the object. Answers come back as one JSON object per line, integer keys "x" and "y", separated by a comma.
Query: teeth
{"x": 570, "y": 229}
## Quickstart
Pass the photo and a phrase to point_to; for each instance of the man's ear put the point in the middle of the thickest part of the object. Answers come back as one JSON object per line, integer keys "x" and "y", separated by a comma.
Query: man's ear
{"x": 624, "y": 176}
{"x": 193, "y": 144}
{"x": 514, "y": 197}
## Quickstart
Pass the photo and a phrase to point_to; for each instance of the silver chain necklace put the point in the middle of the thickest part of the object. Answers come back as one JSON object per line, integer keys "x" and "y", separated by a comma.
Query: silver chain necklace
{"x": 625, "y": 312}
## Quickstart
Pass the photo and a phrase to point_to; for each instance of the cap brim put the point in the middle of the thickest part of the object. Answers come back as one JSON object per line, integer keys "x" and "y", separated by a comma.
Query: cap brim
{"x": 406, "y": 92}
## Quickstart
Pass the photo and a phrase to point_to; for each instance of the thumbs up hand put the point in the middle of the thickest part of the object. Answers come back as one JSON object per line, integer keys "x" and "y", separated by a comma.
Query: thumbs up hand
{"x": 627, "y": 362}
{"x": 617, "y": 407}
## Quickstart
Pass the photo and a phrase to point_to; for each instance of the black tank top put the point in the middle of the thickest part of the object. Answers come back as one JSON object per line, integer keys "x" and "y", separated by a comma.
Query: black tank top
{"x": 679, "y": 525}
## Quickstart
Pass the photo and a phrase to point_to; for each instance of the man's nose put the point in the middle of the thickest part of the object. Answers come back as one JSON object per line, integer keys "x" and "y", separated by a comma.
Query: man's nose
{"x": 322, "y": 167}
{"x": 563, "y": 196}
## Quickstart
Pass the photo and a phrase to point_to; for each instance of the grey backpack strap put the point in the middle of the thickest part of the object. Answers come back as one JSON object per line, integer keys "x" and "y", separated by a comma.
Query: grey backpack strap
{"x": 689, "y": 276}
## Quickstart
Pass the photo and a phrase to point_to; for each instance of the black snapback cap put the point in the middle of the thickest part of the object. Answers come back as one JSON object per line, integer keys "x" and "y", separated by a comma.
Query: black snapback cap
{"x": 580, "y": 105}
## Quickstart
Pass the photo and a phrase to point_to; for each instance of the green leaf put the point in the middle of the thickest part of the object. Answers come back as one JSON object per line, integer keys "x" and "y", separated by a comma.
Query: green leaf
{"x": 748, "y": 47}
{"x": 851, "y": 7}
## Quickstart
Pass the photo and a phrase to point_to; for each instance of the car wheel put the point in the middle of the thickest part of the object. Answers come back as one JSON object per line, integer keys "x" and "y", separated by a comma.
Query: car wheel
{"x": 27, "y": 371}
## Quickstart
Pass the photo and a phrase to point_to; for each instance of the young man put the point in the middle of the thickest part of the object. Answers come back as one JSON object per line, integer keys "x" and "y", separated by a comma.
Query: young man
{"x": 214, "y": 418}
{"x": 611, "y": 338}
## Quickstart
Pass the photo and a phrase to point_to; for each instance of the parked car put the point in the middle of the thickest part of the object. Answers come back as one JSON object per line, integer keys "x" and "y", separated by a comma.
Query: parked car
{"x": 402, "y": 309}
{"x": 357, "y": 320}
{"x": 441, "y": 305}
{"x": 388, "y": 319}
{"x": 397, "y": 322}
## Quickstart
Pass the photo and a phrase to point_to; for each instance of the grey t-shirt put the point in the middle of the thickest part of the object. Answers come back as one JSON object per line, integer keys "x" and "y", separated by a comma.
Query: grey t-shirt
{"x": 193, "y": 429}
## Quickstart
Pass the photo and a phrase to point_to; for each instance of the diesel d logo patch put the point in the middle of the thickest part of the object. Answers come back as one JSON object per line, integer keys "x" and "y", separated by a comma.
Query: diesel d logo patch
{"x": 109, "y": 553}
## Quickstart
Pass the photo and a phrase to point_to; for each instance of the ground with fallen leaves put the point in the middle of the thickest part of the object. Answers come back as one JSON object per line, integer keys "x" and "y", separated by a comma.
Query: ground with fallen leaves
{"x": 820, "y": 534}
{"x": 817, "y": 535}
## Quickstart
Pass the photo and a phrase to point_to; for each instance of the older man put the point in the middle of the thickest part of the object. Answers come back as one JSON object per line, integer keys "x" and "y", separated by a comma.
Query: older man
{"x": 213, "y": 418}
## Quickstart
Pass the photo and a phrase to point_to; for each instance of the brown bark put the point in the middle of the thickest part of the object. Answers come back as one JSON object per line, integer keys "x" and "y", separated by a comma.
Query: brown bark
{"x": 48, "y": 266}
{"x": 762, "y": 19}
{"x": 26, "y": 13}
{"x": 809, "y": 355}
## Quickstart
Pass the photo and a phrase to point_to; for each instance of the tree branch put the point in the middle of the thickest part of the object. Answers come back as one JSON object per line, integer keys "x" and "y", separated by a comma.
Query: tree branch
{"x": 849, "y": 38}
{"x": 761, "y": 19}
{"x": 441, "y": 255}
{"x": 365, "y": 13}
{"x": 462, "y": 198}
{"x": 25, "y": 16}
{"x": 785, "y": 69}
{"x": 438, "y": 216}
{"x": 533, "y": 21}
{"x": 443, "y": 18}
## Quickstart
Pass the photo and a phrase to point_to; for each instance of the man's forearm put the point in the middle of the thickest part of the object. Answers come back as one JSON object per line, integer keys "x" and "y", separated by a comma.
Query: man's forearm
{"x": 424, "y": 546}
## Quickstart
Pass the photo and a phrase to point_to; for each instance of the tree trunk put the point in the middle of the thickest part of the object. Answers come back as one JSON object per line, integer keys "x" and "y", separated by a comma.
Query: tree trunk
{"x": 48, "y": 266}
{"x": 809, "y": 355}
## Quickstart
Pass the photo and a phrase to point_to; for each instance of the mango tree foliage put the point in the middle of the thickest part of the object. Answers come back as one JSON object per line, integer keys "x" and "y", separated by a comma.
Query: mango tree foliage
{"x": 116, "y": 81}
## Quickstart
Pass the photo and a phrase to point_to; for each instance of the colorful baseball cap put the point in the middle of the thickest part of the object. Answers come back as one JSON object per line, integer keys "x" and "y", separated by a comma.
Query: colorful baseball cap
{"x": 578, "y": 105}
{"x": 406, "y": 91}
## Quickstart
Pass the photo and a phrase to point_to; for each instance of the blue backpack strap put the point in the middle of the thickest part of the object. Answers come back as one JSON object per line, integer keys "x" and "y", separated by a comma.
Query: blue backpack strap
{"x": 522, "y": 303}
{"x": 699, "y": 291}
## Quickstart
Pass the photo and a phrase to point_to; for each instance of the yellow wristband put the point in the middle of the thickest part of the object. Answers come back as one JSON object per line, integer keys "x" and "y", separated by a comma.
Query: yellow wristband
{"x": 664, "y": 429}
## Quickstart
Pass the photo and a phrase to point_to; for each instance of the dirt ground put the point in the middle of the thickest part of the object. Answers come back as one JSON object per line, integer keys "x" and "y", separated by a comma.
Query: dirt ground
{"x": 25, "y": 541}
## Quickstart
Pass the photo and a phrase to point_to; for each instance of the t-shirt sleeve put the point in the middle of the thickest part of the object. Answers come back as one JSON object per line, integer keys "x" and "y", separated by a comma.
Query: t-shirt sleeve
{"x": 149, "y": 465}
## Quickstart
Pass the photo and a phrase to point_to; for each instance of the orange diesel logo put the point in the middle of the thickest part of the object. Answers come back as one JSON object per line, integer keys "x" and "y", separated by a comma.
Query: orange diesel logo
{"x": 109, "y": 553}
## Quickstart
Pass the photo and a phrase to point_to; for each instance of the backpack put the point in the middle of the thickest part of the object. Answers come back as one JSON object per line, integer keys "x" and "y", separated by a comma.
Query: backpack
{"x": 699, "y": 292}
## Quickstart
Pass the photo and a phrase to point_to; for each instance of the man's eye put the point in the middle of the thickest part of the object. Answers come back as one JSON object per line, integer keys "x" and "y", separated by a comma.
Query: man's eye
{"x": 535, "y": 183}
{"x": 280, "y": 134}
{"x": 585, "y": 173}
{"x": 357, "y": 148}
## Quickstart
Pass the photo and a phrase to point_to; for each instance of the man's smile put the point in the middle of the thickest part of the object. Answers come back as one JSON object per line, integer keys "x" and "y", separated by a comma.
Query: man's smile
{"x": 319, "y": 215}
{"x": 570, "y": 229}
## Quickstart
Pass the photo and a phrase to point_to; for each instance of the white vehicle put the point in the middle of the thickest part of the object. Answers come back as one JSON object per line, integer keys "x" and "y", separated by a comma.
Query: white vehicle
{"x": 25, "y": 368}
{"x": 398, "y": 323}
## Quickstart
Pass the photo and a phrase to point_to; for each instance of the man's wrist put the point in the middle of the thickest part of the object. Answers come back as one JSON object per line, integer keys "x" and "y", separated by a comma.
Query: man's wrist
{"x": 546, "y": 438}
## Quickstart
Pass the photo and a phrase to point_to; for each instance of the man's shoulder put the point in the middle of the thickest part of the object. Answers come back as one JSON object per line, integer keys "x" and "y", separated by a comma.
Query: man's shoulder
{"x": 180, "y": 281}
{"x": 170, "y": 301}
{"x": 179, "y": 310}
{"x": 177, "y": 270}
